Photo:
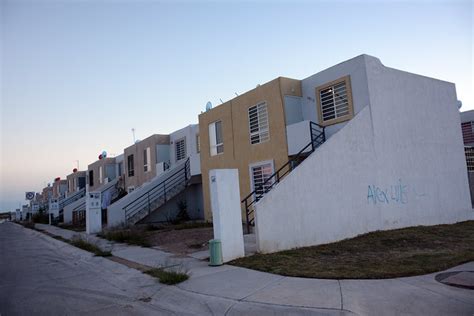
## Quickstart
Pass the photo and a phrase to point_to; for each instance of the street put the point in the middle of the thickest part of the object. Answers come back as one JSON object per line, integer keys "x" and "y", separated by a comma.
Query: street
{"x": 47, "y": 277}
{"x": 43, "y": 276}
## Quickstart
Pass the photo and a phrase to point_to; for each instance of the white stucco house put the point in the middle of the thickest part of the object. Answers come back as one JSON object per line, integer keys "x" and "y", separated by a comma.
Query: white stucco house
{"x": 393, "y": 157}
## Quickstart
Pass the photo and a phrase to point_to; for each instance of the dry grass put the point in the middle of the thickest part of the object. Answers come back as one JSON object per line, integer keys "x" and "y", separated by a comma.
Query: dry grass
{"x": 382, "y": 254}
{"x": 167, "y": 277}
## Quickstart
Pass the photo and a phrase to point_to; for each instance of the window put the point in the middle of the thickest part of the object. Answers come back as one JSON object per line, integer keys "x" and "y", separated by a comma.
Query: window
{"x": 467, "y": 132}
{"x": 215, "y": 138}
{"x": 101, "y": 175}
{"x": 258, "y": 123}
{"x": 469, "y": 151}
{"x": 198, "y": 144}
{"x": 91, "y": 178}
{"x": 259, "y": 174}
{"x": 180, "y": 149}
{"x": 130, "y": 166}
{"x": 120, "y": 168}
{"x": 146, "y": 159}
{"x": 335, "y": 101}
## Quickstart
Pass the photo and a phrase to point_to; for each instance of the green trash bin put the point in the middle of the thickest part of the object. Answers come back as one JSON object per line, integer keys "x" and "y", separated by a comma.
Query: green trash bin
{"x": 215, "y": 255}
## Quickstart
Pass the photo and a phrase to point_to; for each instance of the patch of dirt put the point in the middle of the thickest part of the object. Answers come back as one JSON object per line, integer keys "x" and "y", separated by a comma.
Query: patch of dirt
{"x": 183, "y": 241}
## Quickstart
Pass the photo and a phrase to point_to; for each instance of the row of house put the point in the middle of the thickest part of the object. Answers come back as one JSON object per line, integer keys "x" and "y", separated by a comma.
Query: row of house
{"x": 265, "y": 133}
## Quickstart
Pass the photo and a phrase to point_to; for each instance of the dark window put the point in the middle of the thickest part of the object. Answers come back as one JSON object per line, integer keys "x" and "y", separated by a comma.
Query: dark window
{"x": 91, "y": 178}
{"x": 130, "y": 165}
{"x": 82, "y": 182}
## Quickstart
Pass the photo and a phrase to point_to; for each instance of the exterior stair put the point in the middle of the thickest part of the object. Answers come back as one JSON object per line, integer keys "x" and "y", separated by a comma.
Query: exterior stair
{"x": 318, "y": 137}
{"x": 173, "y": 182}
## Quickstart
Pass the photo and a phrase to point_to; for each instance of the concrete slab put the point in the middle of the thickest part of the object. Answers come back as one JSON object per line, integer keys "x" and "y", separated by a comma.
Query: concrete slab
{"x": 429, "y": 283}
{"x": 464, "y": 279}
{"x": 250, "y": 244}
{"x": 201, "y": 268}
{"x": 394, "y": 297}
{"x": 146, "y": 256}
{"x": 300, "y": 292}
{"x": 187, "y": 303}
{"x": 236, "y": 283}
{"x": 200, "y": 255}
{"x": 256, "y": 309}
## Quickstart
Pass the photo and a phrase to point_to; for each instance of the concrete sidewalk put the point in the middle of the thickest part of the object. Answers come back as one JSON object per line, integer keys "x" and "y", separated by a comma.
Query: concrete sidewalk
{"x": 420, "y": 295}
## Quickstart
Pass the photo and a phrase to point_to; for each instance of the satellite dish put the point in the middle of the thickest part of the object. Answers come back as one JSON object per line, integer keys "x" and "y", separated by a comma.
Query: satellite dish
{"x": 208, "y": 106}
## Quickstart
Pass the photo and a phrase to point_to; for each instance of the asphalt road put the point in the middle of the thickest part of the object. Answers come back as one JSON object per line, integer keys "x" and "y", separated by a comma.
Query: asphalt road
{"x": 40, "y": 275}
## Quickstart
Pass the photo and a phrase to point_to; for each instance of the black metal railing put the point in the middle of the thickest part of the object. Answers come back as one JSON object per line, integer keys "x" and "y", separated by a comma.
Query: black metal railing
{"x": 318, "y": 137}
{"x": 162, "y": 191}
{"x": 76, "y": 196}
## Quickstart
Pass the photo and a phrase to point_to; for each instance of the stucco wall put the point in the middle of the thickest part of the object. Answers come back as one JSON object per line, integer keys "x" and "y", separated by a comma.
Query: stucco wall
{"x": 193, "y": 197}
{"x": 238, "y": 152}
{"x": 73, "y": 181}
{"x": 95, "y": 167}
{"x": 355, "y": 68}
{"x": 400, "y": 162}
{"x": 67, "y": 211}
{"x": 137, "y": 150}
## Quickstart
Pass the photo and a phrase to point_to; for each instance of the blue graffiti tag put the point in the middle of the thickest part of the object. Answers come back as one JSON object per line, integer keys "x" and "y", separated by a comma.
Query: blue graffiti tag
{"x": 396, "y": 194}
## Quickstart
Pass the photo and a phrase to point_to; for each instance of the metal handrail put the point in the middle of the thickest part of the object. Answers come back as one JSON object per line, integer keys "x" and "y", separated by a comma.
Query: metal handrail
{"x": 76, "y": 196}
{"x": 318, "y": 137}
{"x": 180, "y": 176}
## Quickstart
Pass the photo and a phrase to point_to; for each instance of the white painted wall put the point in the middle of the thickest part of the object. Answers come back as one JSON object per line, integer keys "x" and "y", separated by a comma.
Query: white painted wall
{"x": 407, "y": 139}
{"x": 115, "y": 211}
{"x": 355, "y": 68}
{"x": 189, "y": 132}
{"x": 226, "y": 212}
{"x": 67, "y": 211}
{"x": 93, "y": 212}
{"x": 298, "y": 136}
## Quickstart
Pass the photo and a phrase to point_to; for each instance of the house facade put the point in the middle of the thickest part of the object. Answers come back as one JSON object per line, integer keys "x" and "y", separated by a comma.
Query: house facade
{"x": 162, "y": 175}
{"x": 248, "y": 133}
{"x": 143, "y": 158}
{"x": 76, "y": 181}
{"x": 59, "y": 188}
{"x": 393, "y": 157}
{"x": 103, "y": 171}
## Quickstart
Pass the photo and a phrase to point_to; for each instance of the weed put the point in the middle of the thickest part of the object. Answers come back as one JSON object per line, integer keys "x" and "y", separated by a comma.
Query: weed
{"x": 132, "y": 236}
{"x": 168, "y": 277}
{"x": 88, "y": 246}
{"x": 381, "y": 254}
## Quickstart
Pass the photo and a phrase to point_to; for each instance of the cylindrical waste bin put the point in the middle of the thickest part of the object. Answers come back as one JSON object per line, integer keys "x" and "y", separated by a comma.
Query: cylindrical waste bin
{"x": 215, "y": 255}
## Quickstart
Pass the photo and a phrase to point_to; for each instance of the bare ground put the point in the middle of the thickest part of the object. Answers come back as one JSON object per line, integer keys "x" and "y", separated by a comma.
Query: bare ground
{"x": 182, "y": 241}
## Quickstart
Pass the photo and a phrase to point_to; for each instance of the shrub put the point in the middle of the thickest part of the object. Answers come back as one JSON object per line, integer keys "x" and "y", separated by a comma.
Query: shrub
{"x": 88, "y": 246}
{"x": 168, "y": 277}
{"x": 40, "y": 217}
{"x": 132, "y": 236}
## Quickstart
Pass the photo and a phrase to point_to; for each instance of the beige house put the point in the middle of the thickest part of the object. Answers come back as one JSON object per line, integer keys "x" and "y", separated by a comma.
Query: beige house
{"x": 59, "y": 189}
{"x": 247, "y": 133}
{"x": 76, "y": 181}
{"x": 101, "y": 172}
{"x": 46, "y": 194}
{"x": 143, "y": 158}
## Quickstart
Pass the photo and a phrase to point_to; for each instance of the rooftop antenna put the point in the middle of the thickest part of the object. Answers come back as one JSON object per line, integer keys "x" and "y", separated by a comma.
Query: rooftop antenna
{"x": 221, "y": 101}
{"x": 133, "y": 133}
{"x": 236, "y": 94}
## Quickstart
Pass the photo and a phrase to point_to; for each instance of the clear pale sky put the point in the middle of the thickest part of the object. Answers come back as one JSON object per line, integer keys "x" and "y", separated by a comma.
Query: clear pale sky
{"x": 76, "y": 76}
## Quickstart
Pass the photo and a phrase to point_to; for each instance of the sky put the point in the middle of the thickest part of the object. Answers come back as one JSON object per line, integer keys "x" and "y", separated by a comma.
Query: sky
{"x": 77, "y": 76}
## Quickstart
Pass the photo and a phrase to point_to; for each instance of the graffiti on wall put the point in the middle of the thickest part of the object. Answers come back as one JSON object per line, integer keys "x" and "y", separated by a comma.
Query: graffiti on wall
{"x": 396, "y": 193}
